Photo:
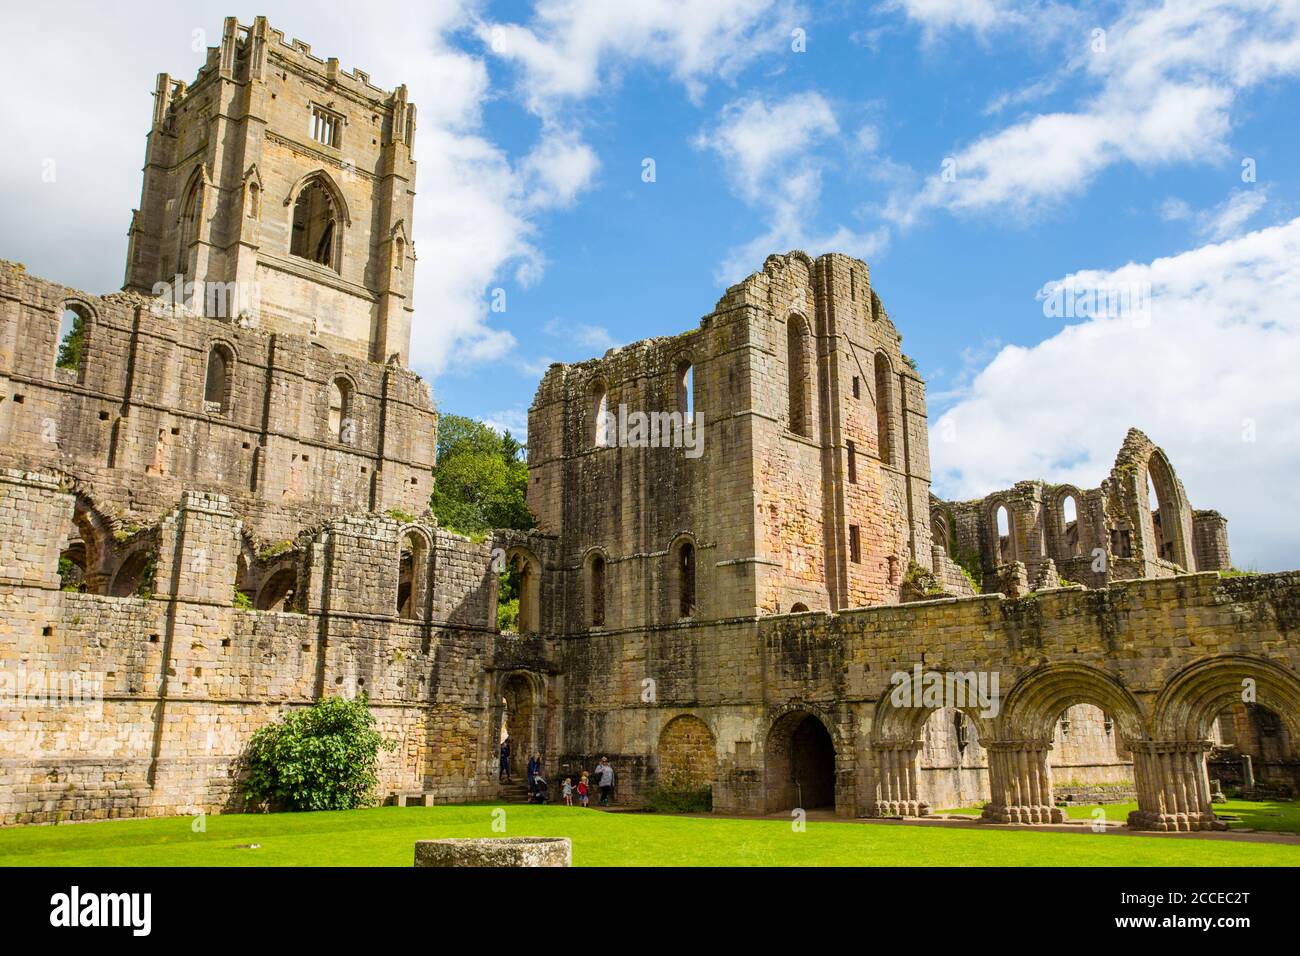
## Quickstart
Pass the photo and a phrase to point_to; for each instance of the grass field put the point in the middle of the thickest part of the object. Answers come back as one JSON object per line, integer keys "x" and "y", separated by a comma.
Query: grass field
{"x": 386, "y": 836}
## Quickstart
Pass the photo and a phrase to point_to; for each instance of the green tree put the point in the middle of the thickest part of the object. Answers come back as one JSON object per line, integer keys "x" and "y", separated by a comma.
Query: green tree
{"x": 481, "y": 478}
{"x": 70, "y": 347}
{"x": 324, "y": 757}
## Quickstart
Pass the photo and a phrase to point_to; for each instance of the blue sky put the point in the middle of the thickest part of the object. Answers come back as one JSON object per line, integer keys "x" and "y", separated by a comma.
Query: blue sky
{"x": 1099, "y": 145}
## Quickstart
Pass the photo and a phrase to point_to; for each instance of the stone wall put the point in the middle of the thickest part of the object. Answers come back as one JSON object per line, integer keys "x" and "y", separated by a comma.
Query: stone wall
{"x": 792, "y": 500}
{"x": 122, "y": 706}
{"x": 132, "y": 423}
{"x": 1125, "y": 652}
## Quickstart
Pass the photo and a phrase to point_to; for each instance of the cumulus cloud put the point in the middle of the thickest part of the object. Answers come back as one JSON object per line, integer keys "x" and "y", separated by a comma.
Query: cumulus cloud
{"x": 572, "y": 48}
{"x": 771, "y": 157}
{"x": 1207, "y": 370}
{"x": 1165, "y": 78}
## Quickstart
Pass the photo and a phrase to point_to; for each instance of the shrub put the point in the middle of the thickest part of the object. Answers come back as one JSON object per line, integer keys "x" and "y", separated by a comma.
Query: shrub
{"x": 324, "y": 757}
{"x": 673, "y": 800}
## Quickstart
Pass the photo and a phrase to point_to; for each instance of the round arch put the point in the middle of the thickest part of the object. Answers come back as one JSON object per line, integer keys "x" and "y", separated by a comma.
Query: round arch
{"x": 687, "y": 754}
{"x": 70, "y": 342}
{"x": 1167, "y": 529}
{"x": 523, "y": 562}
{"x": 683, "y": 565}
{"x": 800, "y": 756}
{"x": 902, "y": 713}
{"x": 414, "y": 545}
{"x": 801, "y": 373}
{"x": 518, "y": 697}
{"x": 1189, "y": 702}
{"x": 1038, "y": 698}
{"x": 1068, "y": 545}
{"x": 1002, "y": 554}
{"x": 595, "y": 589}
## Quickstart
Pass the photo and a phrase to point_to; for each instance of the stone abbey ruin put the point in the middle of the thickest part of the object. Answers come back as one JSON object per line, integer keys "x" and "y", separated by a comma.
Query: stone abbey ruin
{"x": 211, "y": 512}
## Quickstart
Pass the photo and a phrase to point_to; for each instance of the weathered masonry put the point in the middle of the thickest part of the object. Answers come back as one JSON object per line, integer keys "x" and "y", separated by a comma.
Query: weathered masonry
{"x": 214, "y": 508}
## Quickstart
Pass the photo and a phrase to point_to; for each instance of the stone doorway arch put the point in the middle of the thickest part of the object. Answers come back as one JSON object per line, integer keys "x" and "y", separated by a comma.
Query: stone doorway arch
{"x": 519, "y": 707}
{"x": 799, "y": 763}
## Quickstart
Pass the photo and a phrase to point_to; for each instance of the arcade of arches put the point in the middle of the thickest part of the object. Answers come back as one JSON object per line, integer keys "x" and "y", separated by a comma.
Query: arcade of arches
{"x": 1067, "y": 734}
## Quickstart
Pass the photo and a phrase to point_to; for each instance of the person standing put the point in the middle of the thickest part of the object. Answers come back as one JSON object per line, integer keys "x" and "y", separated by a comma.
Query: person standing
{"x": 534, "y": 768}
{"x": 604, "y": 780}
{"x": 505, "y": 761}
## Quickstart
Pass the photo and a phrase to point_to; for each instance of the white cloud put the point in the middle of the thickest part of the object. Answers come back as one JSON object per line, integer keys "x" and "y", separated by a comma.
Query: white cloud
{"x": 1228, "y": 218}
{"x": 559, "y": 168}
{"x": 936, "y": 16}
{"x": 512, "y": 420}
{"x": 1215, "y": 363}
{"x": 572, "y": 48}
{"x": 770, "y": 152}
{"x": 1166, "y": 83}
{"x": 756, "y": 138}
{"x": 1225, "y": 220}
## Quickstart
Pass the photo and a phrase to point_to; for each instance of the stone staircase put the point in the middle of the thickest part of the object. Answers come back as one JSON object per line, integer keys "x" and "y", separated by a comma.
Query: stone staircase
{"x": 516, "y": 792}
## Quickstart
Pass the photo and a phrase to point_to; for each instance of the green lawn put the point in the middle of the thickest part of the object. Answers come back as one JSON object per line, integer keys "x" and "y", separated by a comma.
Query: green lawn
{"x": 386, "y": 836}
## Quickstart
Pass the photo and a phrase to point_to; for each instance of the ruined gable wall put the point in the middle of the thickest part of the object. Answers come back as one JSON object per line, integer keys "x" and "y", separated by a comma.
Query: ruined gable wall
{"x": 633, "y": 503}
{"x": 770, "y": 505}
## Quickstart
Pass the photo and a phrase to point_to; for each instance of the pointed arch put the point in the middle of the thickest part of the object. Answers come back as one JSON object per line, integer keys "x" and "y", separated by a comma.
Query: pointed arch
{"x": 318, "y": 214}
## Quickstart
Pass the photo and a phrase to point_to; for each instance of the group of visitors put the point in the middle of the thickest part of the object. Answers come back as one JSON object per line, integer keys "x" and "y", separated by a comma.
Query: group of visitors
{"x": 601, "y": 780}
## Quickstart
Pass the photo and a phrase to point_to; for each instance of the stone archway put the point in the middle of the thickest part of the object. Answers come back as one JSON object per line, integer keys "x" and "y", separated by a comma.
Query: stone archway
{"x": 1020, "y": 778}
{"x": 519, "y": 708}
{"x": 799, "y": 764}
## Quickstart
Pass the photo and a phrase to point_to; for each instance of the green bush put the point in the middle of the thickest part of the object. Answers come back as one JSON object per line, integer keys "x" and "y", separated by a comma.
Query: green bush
{"x": 672, "y": 800}
{"x": 324, "y": 757}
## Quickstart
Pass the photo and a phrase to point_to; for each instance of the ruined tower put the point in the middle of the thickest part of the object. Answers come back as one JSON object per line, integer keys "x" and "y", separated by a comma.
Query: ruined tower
{"x": 279, "y": 189}
{"x": 809, "y": 489}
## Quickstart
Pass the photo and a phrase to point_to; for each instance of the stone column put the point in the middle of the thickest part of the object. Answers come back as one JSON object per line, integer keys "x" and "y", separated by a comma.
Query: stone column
{"x": 896, "y": 780}
{"x": 1173, "y": 786}
{"x": 1020, "y": 783}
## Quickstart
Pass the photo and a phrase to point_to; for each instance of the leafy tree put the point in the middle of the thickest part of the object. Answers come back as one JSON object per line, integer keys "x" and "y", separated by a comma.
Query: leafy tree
{"x": 324, "y": 757}
{"x": 481, "y": 478}
{"x": 70, "y": 347}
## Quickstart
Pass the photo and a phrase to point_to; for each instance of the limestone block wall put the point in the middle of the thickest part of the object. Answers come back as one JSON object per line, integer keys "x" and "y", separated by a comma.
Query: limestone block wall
{"x": 1210, "y": 532}
{"x": 742, "y": 677}
{"x": 125, "y": 706}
